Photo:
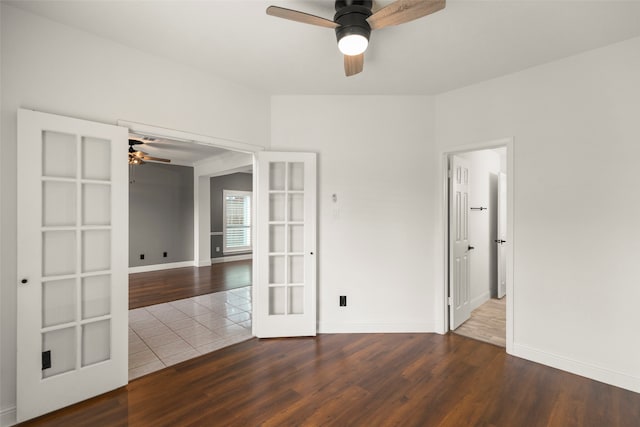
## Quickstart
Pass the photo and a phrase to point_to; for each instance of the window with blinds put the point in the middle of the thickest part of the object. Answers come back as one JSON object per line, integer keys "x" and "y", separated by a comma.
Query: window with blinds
{"x": 237, "y": 221}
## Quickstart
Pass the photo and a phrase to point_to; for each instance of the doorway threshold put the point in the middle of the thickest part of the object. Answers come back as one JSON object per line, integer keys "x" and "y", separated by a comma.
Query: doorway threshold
{"x": 487, "y": 323}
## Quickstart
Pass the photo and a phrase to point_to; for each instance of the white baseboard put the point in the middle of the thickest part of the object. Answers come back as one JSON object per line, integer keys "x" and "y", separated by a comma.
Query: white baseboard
{"x": 587, "y": 370}
{"x": 479, "y": 300}
{"x": 204, "y": 263}
{"x": 355, "y": 328}
{"x": 230, "y": 258}
{"x": 156, "y": 267}
{"x": 8, "y": 417}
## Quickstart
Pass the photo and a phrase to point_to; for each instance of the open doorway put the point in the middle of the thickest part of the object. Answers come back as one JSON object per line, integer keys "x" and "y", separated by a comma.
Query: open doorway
{"x": 477, "y": 243}
{"x": 191, "y": 239}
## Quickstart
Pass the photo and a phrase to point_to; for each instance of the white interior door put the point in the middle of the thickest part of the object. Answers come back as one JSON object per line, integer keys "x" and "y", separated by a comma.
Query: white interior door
{"x": 286, "y": 245}
{"x": 459, "y": 256}
{"x": 72, "y": 261}
{"x": 502, "y": 234}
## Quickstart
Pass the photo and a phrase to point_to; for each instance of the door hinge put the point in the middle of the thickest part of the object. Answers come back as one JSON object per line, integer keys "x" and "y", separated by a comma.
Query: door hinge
{"x": 450, "y": 300}
{"x": 450, "y": 173}
{"x": 46, "y": 359}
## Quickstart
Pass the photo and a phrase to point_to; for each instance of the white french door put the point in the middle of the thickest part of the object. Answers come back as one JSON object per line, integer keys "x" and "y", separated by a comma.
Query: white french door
{"x": 72, "y": 261}
{"x": 286, "y": 245}
{"x": 459, "y": 247}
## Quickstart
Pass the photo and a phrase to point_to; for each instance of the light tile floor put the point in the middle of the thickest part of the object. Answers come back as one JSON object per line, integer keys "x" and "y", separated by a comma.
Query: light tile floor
{"x": 162, "y": 335}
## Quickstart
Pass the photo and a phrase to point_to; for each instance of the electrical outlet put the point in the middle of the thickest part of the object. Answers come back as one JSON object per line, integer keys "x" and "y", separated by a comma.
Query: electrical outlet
{"x": 343, "y": 300}
{"x": 164, "y": 254}
{"x": 141, "y": 256}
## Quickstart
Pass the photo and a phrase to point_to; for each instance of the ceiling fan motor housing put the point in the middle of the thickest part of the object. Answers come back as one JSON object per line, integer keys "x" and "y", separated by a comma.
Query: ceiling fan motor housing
{"x": 352, "y": 17}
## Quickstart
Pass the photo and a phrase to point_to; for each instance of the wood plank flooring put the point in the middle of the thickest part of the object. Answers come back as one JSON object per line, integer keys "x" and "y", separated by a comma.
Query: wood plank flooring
{"x": 357, "y": 380}
{"x": 487, "y": 323}
{"x": 157, "y": 287}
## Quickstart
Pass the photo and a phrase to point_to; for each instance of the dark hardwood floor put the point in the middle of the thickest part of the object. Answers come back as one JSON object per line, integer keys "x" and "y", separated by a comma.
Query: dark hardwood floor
{"x": 156, "y": 287}
{"x": 358, "y": 380}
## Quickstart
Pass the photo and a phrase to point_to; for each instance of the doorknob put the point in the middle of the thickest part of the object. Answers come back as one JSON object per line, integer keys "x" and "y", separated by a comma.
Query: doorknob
{"x": 500, "y": 241}
{"x": 470, "y": 248}
{"x": 24, "y": 281}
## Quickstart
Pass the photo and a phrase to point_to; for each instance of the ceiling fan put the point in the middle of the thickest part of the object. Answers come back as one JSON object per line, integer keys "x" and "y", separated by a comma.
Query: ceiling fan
{"x": 354, "y": 21}
{"x": 137, "y": 157}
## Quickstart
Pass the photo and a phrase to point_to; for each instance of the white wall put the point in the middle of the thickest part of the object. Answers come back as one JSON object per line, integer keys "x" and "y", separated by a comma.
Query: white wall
{"x": 483, "y": 165}
{"x": 49, "y": 67}
{"x": 577, "y": 204}
{"x": 376, "y": 242}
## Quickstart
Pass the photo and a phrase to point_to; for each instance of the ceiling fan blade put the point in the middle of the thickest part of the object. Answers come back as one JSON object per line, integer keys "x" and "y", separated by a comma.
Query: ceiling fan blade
{"x": 156, "y": 159}
{"x": 402, "y": 11}
{"x": 353, "y": 64}
{"x": 297, "y": 16}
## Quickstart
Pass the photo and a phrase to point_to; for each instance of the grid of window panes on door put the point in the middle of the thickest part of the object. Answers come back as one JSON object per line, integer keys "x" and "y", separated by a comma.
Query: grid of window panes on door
{"x": 286, "y": 238}
{"x": 76, "y": 252}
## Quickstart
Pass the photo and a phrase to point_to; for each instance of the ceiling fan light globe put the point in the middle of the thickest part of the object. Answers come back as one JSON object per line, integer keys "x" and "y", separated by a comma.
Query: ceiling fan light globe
{"x": 353, "y": 44}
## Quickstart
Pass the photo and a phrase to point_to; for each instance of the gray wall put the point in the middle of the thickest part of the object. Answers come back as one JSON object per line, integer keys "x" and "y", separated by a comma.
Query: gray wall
{"x": 160, "y": 214}
{"x": 234, "y": 181}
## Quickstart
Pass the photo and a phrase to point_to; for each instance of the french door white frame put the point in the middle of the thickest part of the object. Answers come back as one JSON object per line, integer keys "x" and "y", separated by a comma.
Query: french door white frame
{"x": 444, "y": 165}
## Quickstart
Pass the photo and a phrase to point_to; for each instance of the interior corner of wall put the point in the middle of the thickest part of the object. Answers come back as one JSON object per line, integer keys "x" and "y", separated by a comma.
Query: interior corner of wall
{"x": 8, "y": 416}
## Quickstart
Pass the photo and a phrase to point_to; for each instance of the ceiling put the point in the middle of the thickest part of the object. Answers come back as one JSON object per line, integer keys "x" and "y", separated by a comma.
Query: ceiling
{"x": 183, "y": 153}
{"x": 468, "y": 42}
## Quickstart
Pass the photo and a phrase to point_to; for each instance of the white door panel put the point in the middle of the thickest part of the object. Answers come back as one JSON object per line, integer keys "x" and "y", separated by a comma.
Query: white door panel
{"x": 502, "y": 234}
{"x": 286, "y": 245}
{"x": 459, "y": 257}
{"x": 72, "y": 261}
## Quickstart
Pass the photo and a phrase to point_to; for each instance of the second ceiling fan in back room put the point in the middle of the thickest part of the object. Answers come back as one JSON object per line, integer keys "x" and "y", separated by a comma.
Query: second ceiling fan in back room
{"x": 137, "y": 157}
{"x": 354, "y": 21}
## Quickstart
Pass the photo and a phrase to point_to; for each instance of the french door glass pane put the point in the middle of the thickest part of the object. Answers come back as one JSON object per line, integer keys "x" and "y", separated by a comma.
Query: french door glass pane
{"x": 276, "y": 207}
{"x": 276, "y": 300}
{"x": 58, "y": 155}
{"x": 58, "y": 302}
{"x": 96, "y": 250}
{"x": 296, "y": 176}
{"x": 276, "y": 269}
{"x": 58, "y": 204}
{"x": 96, "y": 159}
{"x": 296, "y": 300}
{"x": 296, "y": 238}
{"x": 96, "y": 296}
{"x": 62, "y": 345}
{"x": 296, "y": 269}
{"x": 96, "y": 342}
{"x": 296, "y": 207}
{"x": 96, "y": 204}
{"x": 276, "y": 238}
{"x": 58, "y": 253}
{"x": 277, "y": 172}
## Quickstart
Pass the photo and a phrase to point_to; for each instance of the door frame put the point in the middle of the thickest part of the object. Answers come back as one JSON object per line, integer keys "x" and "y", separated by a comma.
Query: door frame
{"x": 507, "y": 143}
{"x": 227, "y": 144}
